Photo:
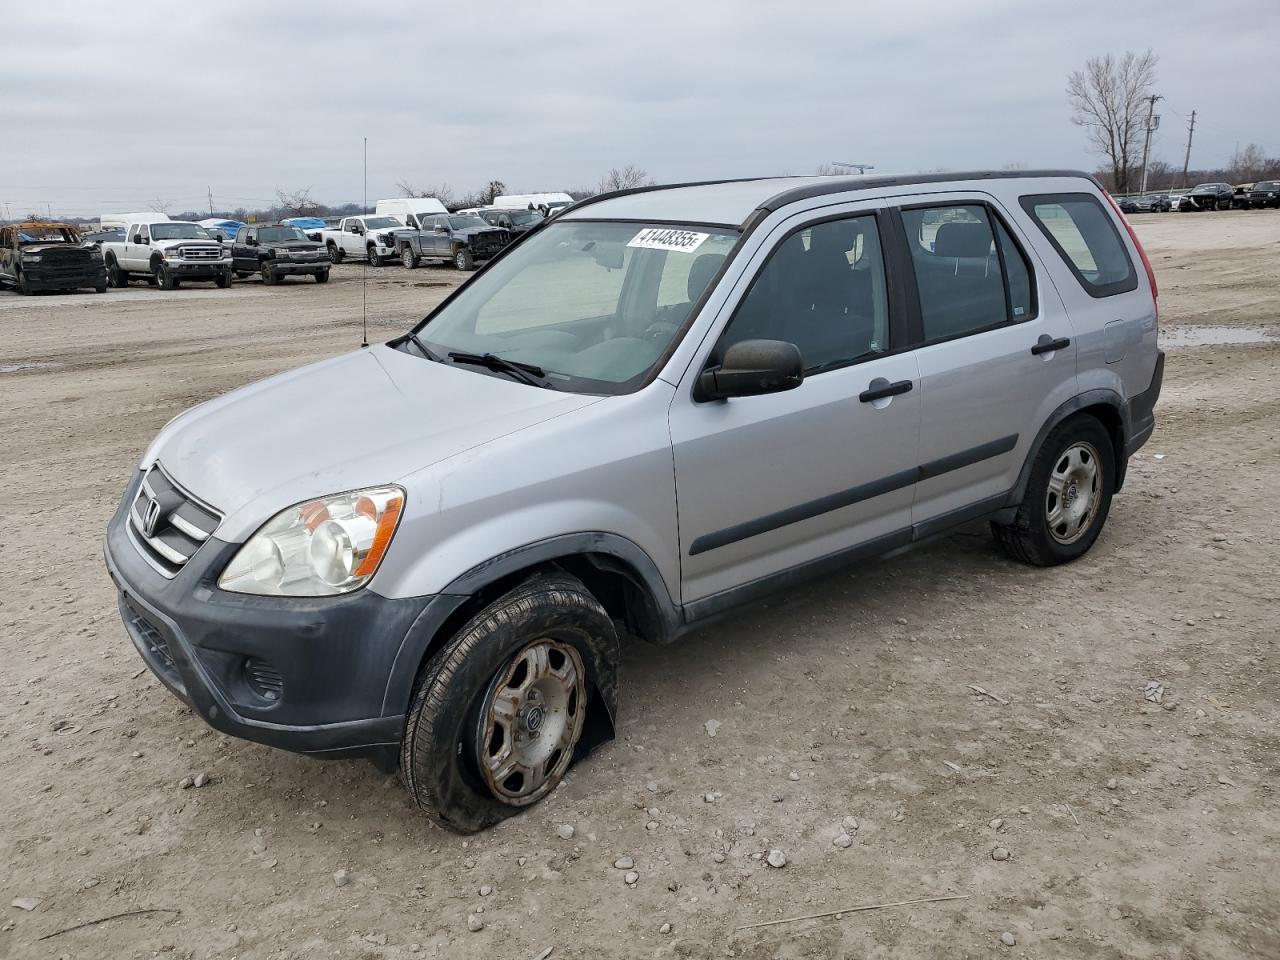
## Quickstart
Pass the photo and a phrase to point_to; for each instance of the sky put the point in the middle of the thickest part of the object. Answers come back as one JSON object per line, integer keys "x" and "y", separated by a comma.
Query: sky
{"x": 110, "y": 106}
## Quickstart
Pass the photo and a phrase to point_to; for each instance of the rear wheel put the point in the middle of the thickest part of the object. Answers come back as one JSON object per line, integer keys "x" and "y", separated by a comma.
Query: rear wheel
{"x": 499, "y": 712}
{"x": 409, "y": 259}
{"x": 1068, "y": 496}
{"x": 463, "y": 260}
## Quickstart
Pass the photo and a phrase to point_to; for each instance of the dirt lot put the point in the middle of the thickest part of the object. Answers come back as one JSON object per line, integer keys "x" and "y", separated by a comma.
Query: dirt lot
{"x": 1132, "y": 830}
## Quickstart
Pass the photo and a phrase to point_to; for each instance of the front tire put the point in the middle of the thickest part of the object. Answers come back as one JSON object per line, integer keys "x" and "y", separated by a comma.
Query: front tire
{"x": 463, "y": 260}
{"x": 1068, "y": 496}
{"x": 269, "y": 275}
{"x": 498, "y": 714}
{"x": 372, "y": 254}
{"x": 322, "y": 276}
{"x": 165, "y": 280}
{"x": 335, "y": 255}
{"x": 24, "y": 285}
{"x": 408, "y": 258}
{"x": 115, "y": 276}
{"x": 223, "y": 280}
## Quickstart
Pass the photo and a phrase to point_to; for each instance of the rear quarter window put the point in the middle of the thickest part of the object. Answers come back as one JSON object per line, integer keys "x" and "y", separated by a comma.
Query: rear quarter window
{"x": 1082, "y": 232}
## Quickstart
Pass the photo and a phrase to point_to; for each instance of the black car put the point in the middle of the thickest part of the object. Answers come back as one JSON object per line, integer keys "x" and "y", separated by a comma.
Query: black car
{"x": 1264, "y": 193}
{"x": 515, "y": 222}
{"x": 1208, "y": 196}
{"x": 48, "y": 256}
{"x": 1127, "y": 204}
{"x": 278, "y": 252}
{"x": 1154, "y": 203}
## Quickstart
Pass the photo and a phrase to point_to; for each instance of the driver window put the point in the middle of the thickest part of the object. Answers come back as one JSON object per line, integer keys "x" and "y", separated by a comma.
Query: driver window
{"x": 823, "y": 289}
{"x": 353, "y": 226}
{"x": 144, "y": 231}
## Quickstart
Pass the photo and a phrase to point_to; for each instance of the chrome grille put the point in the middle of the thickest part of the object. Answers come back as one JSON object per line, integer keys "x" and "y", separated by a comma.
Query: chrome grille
{"x": 200, "y": 253}
{"x": 167, "y": 524}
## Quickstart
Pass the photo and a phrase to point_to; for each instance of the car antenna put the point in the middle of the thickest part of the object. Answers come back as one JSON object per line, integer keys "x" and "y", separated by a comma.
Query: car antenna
{"x": 364, "y": 275}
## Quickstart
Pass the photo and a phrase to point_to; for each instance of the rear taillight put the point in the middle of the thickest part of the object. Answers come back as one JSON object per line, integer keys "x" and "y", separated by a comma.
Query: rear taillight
{"x": 1151, "y": 274}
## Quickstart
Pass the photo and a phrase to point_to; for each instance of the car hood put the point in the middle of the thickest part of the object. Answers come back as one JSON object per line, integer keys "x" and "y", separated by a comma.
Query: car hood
{"x": 303, "y": 245}
{"x": 52, "y": 247}
{"x": 474, "y": 231}
{"x": 361, "y": 419}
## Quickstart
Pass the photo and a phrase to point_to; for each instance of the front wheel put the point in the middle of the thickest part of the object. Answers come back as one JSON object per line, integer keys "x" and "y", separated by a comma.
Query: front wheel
{"x": 165, "y": 279}
{"x": 374, "y": 259}
{"x": 335, "y": 255}
{"x": 269, "y": 275}
{"x": 463, "y": 260}
{"x": 409, "y": 259}
{"x": 1068, "y": 496}
{"x": 24, "y": 285}
{"x": 115, "y": 276}
{"x": 322, "y": 276}
{"x": 498, "y": 714}
{"x": 223, "y": 280}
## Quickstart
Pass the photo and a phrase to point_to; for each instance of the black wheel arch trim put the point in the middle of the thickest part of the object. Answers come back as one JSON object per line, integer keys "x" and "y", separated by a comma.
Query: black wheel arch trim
{"x": 1101, "y": 396}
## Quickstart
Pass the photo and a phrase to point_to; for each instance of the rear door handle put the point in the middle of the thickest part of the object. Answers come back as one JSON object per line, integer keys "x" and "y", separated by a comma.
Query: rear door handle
{"x": 1047, "y": 344}
{"x": 879, "y": 388}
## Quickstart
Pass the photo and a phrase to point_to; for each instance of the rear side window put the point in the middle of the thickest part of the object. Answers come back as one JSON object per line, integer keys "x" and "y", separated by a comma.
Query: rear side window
{"x": 967, "y": 282}
{"x": 1086, "y": 238}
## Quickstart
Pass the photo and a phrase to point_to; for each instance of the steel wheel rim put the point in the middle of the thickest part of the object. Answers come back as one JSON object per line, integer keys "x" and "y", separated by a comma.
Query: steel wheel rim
{"x": 530, "y": 721}
{"x": 1074, "y": 493}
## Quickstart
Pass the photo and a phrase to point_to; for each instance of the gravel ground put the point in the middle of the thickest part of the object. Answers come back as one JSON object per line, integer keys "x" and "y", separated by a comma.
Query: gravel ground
{"x": 850, "y": 746}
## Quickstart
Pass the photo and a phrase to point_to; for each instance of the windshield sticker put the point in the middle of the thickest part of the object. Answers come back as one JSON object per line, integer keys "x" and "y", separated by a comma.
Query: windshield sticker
{"x": 664, "y": 238}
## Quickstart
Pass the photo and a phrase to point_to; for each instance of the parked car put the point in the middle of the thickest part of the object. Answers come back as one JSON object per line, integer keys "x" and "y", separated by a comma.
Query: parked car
{"x": 166, "y": 253}
{"x": 516, "y": 222}
{"x": 1127, "y": 204}
{"x": 1240, "y": 196}
{"x": 277, "y": 252}
{"x": 455, "y": 238}
{"x": 409, "y": 210}
{"x": 310, "y": 226}
{"x": 1265, "y": 193}
{"x": 96, "y": 240}
{"x": 370, "y": 237}
{"x": 1208, "y": 196}
{"x": 432, "y": 549}
{"x": 1154, "y": 203}
{"x": 548, "y": 204}
{"x": 41, "y": 256}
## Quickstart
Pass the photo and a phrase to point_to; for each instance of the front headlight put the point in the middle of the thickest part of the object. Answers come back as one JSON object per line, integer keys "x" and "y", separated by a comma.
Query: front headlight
{"x": 95, "y": 254}
{"x": 31, "y": 258}
{"x": 320, "y": 548}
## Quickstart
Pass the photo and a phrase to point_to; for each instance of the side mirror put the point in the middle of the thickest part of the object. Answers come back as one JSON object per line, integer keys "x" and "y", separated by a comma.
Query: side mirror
{"x": 441, "y": 228}
{"x": 251, "y": 241}
{"x": 137, "y": 238}
{"x": 751, "y": 368}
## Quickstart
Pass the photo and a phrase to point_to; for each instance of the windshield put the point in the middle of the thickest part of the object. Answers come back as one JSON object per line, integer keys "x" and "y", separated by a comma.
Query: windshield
{"x": 465, "y": 222}
{"x": 1267, "y": 185}
{"x": 523, "y": 217}
{"x": 179, "y": 231}
{"x": 1206, "y": 188}
{"x": 381, "y": 223}
{"x": 595, "y": 305}
{"x": 280, "y": 234}
{"x": 32, "y": 233}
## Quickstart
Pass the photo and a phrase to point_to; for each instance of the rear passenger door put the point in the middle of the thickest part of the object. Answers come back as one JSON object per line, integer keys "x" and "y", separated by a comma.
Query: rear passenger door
{"x": 995, "y": 349}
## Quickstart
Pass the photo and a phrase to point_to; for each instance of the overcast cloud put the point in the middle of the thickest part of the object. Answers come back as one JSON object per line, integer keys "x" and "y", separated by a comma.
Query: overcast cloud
{"x": 108, "y": 106}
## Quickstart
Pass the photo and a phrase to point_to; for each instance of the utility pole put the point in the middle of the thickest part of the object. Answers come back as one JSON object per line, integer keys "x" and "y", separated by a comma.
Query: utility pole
{"x": 1152, "y": 122}
{"x": 210, "y": 200}
{"x": 1186, "y": 161}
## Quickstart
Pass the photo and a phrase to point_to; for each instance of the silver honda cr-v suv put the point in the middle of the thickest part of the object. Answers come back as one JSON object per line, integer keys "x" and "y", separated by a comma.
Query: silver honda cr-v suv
{"x": 654, "y": 408}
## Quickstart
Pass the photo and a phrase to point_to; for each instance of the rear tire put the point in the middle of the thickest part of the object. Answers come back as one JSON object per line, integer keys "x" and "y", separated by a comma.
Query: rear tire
{"x": 498, "y": 712}
{"x": 1068, "y": 496}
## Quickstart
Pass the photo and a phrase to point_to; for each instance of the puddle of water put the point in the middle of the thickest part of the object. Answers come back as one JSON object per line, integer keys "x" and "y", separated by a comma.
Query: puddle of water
{"x": 1211, "y": 336}
{"x": 20, "y": 367}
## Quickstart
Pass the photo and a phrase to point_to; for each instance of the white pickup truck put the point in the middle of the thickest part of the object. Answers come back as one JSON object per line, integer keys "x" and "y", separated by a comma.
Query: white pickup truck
{"x": 371, "y": 237}
{"x": 165, "y": 254}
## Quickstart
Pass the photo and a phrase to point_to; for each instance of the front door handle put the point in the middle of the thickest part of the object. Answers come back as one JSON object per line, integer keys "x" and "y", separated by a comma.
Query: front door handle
{"x": 879, "y": 388}
{"x": 1046, "y": 344}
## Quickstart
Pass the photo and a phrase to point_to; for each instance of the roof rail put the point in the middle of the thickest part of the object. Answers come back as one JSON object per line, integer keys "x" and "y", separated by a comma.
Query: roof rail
{"x": 587, "y": 201}
{"x": 847, "y": 184}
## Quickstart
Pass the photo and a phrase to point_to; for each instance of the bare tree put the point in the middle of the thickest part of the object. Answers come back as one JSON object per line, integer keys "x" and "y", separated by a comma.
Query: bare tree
{"x": 627, "y": 178}
{"x": 296, "y": 203}
{"x": 1248, "y": 163}
{"x": 160, "y": 205}
{"x": 827, "y": 170}
{"x": 492, "y": 190}
{"x": 1109, "y": 99}
{"x": 442, "y": 192}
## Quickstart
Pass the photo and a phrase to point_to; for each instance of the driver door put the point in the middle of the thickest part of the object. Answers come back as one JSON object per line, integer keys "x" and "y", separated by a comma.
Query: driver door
{"x": 770, "y": 484}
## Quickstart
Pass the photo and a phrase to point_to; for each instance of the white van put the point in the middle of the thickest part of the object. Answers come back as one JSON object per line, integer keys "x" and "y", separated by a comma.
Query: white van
{"x": 544, "y": 203}
{"x": 408, "y": 209}
{"x": 118, "y": 221}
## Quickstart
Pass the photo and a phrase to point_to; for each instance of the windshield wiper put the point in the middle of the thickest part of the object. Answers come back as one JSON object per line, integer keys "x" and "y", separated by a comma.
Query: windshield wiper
{"x": 421, "y": 345}
{"x": 525, "y": 372}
